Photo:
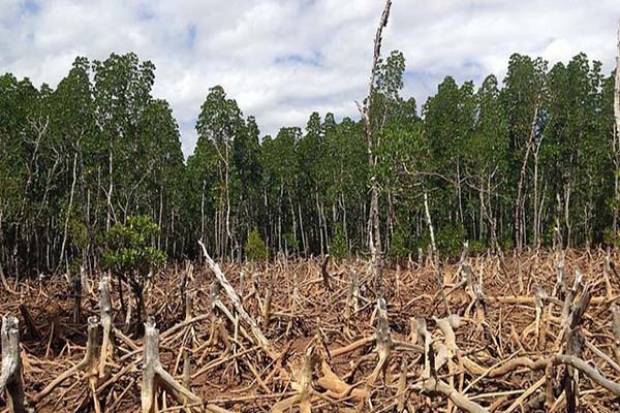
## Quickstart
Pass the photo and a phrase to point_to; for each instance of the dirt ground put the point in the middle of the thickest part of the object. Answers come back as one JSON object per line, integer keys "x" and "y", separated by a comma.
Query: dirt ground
{"x": 326, "y": 340}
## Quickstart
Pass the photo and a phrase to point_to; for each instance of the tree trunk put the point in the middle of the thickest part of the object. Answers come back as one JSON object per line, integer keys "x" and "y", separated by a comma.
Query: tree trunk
{"x": 374, "y": 236}
{"x": 617, "y": 137}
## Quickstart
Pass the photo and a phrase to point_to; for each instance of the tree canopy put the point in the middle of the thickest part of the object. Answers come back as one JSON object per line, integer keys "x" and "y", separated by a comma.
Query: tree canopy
{"x": 526, "y": 161}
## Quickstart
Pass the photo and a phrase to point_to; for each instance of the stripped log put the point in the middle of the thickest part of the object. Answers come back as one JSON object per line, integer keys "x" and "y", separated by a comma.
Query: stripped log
{"x": 261, "y": 340}
{"x": 432, "y": 385}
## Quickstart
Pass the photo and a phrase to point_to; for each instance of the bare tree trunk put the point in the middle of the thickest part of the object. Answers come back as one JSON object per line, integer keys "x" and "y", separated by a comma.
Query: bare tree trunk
{"x": 202, "y": 212}
{"x": 616, "y": 143}
{"x": 374, "y": 236}
{"x": 536, "y": 224}
{"x": 69, "y": 209}
{"x": 110, "y": 209}
{"x": 519, "y": 219}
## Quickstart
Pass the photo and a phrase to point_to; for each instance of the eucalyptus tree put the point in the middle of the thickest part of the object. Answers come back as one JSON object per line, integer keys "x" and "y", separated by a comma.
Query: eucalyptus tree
{"x": 616, "y": 138}
{"x": 448, "y": 124}
{"x": 522, "y": 97}
{"x": 248, "y": 170}
{"x": 160, "y": 194}
{"x": 311, "y": 155}
{"x": 345, "y": 161}
{"x": 122, "y": 91}
{"x": 219, "y": 124}
{"x": 280, "y": 183}
{"x": 74, "y": 132}
{"x": 486, "y": 153}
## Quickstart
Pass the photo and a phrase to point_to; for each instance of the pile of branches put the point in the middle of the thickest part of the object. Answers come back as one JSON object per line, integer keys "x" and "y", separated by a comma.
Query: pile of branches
{"x": 534, "y": 332}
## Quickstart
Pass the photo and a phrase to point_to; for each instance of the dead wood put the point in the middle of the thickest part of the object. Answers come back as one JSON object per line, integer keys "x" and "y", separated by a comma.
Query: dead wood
{"x": 234, "y": 298}
{"x": 11, "y": 379}
{"x": 154, "y": 375}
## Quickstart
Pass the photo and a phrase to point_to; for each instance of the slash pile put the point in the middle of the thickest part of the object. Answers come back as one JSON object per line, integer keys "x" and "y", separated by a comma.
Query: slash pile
{"x": 535, "y": 332}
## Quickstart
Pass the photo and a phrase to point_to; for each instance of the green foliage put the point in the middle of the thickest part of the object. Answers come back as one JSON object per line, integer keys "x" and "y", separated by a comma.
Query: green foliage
{"x": 611, "y": 238}
{"x": 338, "y": 247}
{"x": 129, "y": 253}
{"x": 398, "y": 247}
{"x": 78, "y": 232}
{"x": 99, "y": 149}
{"x": 255, "y": 248}
{"x": 450, "y": 240}
{"x": 291, "y": 242}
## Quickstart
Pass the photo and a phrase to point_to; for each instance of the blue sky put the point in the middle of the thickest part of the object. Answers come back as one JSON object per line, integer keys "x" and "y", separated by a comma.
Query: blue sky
{"x": 283, "y": 59}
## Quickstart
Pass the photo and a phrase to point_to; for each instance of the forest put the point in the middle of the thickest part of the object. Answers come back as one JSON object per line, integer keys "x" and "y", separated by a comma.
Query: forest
{"x": 523, "y": 162}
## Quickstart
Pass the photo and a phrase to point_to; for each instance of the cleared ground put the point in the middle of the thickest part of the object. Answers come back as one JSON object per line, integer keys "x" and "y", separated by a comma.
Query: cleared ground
{"x": 326, "y": 341}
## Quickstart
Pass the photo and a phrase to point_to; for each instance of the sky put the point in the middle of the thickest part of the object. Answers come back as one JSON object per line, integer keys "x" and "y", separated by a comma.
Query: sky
{"x": 283, "y": 59}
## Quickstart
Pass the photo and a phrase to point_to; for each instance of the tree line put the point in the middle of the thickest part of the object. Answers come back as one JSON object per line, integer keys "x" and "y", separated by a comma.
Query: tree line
{"x": 531, "y": 161}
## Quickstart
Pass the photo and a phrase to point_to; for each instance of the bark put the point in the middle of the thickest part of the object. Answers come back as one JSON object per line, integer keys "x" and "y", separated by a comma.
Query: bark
{"x": 616, "y": 144}
{"x": 105, "y": 311}
{"x": 154, "y": 375}
{"x": 236, "y": 301}
{"x": 374, "y": 237}
{"x": 11, "y": 377}
{"x": 519, "y": 218}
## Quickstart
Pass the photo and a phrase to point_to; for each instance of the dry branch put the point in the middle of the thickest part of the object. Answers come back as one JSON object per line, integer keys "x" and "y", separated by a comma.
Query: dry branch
{"x": 261, "y": 340}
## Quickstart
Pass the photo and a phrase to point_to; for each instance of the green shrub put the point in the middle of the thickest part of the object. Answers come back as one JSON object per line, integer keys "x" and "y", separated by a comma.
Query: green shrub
{"x": 255, "y": 248}
{"x": 450, "y": 240}
{"x": 338, "y": 247}
{"x": 131, "y": 258}
{"x": 291, "y": 242}
{"x": 611, "y": 238}
{"x": 398, "y": 247}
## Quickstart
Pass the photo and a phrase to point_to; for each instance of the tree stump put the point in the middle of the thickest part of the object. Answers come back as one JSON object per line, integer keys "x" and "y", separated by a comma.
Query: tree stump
{"x": 11, "y": 376}
{"x": 154, "y": 375}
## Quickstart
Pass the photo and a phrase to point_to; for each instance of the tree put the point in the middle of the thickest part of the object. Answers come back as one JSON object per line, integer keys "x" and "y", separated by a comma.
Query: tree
{"x": 130, "y": 256}
{"x": 219, "y": 125}
{"x": 255, "y": 248}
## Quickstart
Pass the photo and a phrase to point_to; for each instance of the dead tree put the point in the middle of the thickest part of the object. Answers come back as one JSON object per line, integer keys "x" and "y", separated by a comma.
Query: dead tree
{"x": 324, "y": 273}
{"x": 236, "y": 302}
{"x": 616, "y": 142}
{"x": 31, "y": 328}
{"x": 11, "y": 377}
{"x": 372, "y": 141}
{"x": 154, "y": 375}
{"x": 105, "y": 311}
{"x": 76, "y": 293}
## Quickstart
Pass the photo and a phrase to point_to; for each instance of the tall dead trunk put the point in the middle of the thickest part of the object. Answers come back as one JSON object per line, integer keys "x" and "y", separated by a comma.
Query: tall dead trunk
{"x": 616, "y": 143}
{"x": 374, "y": 235}
{"x": 69, "y": 208}
{"x": 519, "y": 216}
{"x": 536, "y": 223}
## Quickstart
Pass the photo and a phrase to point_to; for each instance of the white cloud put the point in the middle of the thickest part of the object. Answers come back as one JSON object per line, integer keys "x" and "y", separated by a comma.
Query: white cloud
{"x": 283, "y": 59}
